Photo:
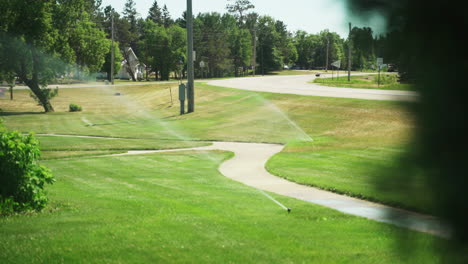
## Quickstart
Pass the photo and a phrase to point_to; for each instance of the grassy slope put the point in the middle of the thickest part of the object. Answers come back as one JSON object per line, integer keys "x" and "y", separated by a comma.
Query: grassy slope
{"x": 57, "y": 147}
{"x": 354, "y": 139}
{"x": 176, "y": 208}
{"x": 145, "y": 112}
{"x": 66, "y": 154}
{"x": 364, "y": 81}
{"x": 356, "y": 142}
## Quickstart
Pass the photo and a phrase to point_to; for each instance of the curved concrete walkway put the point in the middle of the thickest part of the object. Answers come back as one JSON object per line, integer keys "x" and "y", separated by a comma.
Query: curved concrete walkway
{"x": 300, "y": 84}
{"x": 248, "y": 167}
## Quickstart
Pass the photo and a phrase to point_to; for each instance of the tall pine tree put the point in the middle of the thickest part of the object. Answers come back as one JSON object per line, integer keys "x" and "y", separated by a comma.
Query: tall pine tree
{"x": 155, "y": 13}
{"x": 130, "y": 15}
{"x": 166, "y": 17}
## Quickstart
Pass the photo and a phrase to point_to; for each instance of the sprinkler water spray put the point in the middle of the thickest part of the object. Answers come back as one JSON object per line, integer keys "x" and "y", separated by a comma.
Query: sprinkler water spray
{"x": 275, "y": 201}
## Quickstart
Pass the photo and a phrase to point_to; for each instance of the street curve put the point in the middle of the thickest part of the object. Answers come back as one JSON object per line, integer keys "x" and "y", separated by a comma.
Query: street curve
{"x": 301, "y": 85}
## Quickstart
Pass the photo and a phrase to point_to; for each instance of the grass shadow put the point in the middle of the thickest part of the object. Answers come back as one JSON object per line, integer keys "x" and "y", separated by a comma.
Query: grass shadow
{"x": 20, "y": 113}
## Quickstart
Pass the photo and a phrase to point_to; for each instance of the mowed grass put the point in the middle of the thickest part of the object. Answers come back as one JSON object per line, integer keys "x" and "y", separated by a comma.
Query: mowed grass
{"x": 54, "y": 147}
{"x": 104, "y": 113}
{"x": 363, "y": 172}
{"x": 355, "y": 141}
{"x": 66, "y": 154}
{"x": 177, "y": 208}
{"x": 364, "y": 81}
{"x": 145, "y": 112}
{"x": 356, "y": 144}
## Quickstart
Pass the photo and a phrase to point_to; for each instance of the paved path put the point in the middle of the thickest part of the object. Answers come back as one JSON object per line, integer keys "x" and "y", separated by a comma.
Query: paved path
{"x": 248, "y": 167}
{"x": 301, "y": 85}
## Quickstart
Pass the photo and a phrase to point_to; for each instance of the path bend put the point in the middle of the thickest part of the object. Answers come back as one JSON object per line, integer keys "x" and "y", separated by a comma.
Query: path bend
{"x": 248, "y": 167}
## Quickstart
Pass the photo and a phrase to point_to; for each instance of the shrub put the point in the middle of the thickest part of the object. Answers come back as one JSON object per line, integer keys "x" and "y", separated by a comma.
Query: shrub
{"x": 75, "y": 108}
{"x": 22, "y": 180}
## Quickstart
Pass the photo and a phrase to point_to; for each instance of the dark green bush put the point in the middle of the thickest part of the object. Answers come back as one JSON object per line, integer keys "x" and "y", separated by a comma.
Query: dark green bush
{"x": 75, "y": 108}
{"x": 22, "y": 179}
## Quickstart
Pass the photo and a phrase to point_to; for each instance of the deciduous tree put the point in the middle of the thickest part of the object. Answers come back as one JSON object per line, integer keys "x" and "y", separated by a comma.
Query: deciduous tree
{"x": 39, "y": 52}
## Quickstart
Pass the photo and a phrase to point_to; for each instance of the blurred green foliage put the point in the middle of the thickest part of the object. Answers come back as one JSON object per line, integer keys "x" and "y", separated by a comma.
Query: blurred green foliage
{"x": 22, "y": 179}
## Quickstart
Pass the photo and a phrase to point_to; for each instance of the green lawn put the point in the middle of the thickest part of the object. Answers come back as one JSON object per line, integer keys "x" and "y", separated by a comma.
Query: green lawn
{"x": 356, "y": 144}
{"x": 58, "y": 147}
{"x": 366, "y": 173}
{"x": 177, "y": 208}
{"x": 388, "y": 82}
{"x": 357, "y": 137}
{"x": 145, "y": 112}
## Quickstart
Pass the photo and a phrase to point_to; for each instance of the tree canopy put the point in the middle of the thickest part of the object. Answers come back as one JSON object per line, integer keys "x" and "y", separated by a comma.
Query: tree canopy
{"x": 73, "y": 38}
{"x": 37, "y": 53}
{"x": 239, "y": 8}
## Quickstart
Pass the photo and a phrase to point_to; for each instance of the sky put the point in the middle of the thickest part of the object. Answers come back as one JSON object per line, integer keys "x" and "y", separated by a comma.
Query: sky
{"x": 311, "y": 16}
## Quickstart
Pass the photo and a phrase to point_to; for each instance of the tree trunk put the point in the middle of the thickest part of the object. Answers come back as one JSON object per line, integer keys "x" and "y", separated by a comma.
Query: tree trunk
{"x": 33, "y": 84}
{"x": 130, "y": 72}
{"x": 129, "y": 68}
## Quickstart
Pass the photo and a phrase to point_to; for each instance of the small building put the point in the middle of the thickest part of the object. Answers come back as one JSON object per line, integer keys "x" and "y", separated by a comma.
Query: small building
{"x": 137, "y": 67}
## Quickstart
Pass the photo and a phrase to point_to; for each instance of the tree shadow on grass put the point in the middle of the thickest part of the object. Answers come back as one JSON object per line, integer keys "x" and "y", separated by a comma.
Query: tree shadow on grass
{"x": 20, "y": 113}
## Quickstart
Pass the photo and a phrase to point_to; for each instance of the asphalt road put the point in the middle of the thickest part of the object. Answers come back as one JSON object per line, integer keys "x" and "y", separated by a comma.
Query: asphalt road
{"x": 301, "y": 85}
{"x": 294, "y": 84}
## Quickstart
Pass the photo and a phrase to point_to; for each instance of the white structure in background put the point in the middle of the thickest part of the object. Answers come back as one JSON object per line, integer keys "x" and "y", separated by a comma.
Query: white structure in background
{"x": 137, "y": 67}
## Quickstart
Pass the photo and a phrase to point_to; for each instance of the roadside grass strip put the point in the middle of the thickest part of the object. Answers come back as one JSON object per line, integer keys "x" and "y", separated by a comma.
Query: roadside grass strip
{"x": 388, "y": 81}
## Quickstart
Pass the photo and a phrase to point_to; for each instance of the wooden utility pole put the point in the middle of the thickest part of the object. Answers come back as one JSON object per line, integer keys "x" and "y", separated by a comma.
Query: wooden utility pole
{"x": 349, "y": 54}
{"x": 263, "y": 65}
{"x": 190, "y": 73}
{"x": 328, "y": 46}
{"x": 254, "y": 63}
{"x": 112, "y": 50}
